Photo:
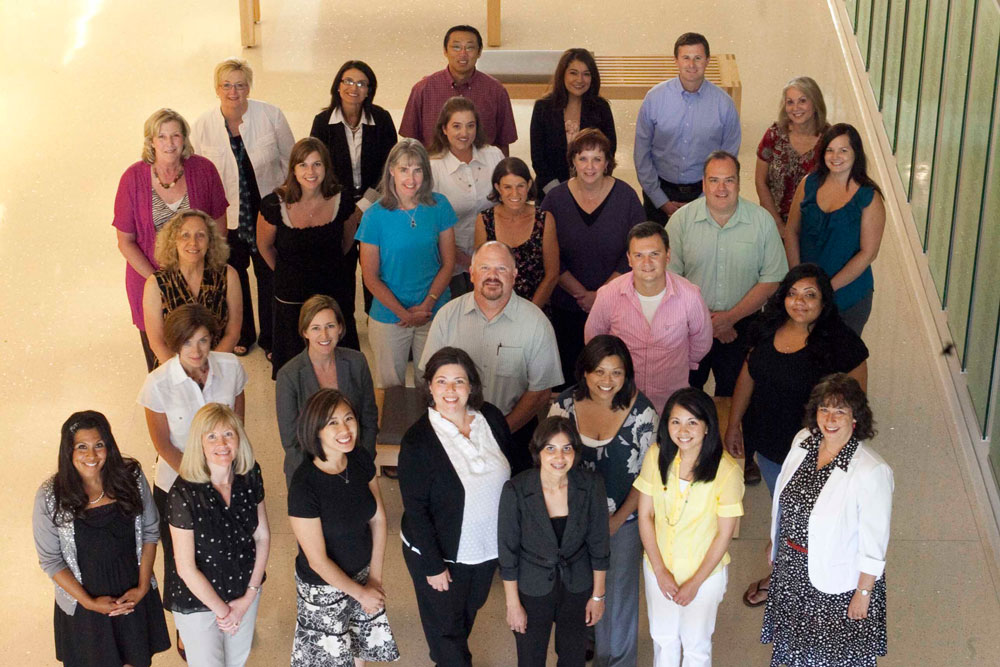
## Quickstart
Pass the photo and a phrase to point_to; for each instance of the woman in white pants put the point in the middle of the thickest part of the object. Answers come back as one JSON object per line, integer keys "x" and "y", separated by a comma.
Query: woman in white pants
{"x": 691, "y": 494}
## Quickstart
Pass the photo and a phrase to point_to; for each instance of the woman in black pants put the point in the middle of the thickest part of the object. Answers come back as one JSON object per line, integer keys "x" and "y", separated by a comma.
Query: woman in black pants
{"x": 453, "y": 463}
{"x": 554, "y": 548}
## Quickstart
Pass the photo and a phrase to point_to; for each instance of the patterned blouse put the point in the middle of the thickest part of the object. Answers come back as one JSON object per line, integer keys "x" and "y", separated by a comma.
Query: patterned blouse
{"x": 527, "y": 257}
{"x": 619, "y": 460}
{"x": 785, "y": 166}
{"x": 174, "y": 292}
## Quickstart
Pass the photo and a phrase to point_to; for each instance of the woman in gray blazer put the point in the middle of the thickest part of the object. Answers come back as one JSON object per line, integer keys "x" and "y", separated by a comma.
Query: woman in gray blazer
{"x": 553, "y": 548}
{"x": 323, "y": 365}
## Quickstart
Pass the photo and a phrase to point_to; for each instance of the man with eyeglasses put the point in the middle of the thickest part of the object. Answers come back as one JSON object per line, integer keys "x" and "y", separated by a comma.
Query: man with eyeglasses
{"x": 462, "y": 47}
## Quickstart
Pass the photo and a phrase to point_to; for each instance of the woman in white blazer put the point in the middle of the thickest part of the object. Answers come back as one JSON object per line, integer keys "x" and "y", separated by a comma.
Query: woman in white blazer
{"x": 829, "y": 534}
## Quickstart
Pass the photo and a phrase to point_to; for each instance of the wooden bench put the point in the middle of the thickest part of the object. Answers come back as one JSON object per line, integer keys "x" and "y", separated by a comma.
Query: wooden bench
{"x": 527, "y": 74}
{"x": 400, "y": 408}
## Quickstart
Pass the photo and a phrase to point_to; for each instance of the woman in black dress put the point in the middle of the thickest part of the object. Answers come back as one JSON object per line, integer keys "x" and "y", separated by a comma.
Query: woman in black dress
{"x": 95, "y": 528}
{"x": 573, "y": 104}
{"x": 359, "y": 135}
{"x": 829, "y": 535}
{"x": 338, "y": 519}
{"x": 799, "y": 339}
{"x": 302, "y": 237}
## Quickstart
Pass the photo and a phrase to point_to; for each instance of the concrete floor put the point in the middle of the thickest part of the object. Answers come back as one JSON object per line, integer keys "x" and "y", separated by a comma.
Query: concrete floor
{"x": 79, "y": 77}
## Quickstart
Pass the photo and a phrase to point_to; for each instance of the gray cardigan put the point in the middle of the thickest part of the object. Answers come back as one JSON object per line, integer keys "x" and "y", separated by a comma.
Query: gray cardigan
{"x": 56, "y": 544}
{"x": 297, "y": 382}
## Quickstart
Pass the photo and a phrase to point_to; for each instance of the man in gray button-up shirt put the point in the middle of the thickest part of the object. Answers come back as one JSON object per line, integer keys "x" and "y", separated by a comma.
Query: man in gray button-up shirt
{"x": 509, "y": 338}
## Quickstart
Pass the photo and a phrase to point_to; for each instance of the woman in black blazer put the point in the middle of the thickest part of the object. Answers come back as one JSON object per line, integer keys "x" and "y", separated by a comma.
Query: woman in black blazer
{"x": 453, "y": 463}
{"x": 554, "y": 548}
{"x": 573, "y": 104}
{"x": 359, "y": 136}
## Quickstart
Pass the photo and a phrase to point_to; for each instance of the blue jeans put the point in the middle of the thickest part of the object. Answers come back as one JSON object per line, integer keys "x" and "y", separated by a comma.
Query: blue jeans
{"x": 769, "y": 470}
{"x": 616, "y": 635}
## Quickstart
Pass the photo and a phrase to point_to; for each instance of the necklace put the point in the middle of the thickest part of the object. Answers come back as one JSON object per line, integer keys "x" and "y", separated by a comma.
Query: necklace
{"x": 95, "y": 500}
{"x": 167, "y": 186}
{"x": 344, "y": 476}
{"x": 411, "y": 216}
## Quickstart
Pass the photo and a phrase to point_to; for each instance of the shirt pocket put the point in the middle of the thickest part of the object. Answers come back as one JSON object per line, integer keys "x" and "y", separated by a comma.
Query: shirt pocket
{"x": 510, "y": 362}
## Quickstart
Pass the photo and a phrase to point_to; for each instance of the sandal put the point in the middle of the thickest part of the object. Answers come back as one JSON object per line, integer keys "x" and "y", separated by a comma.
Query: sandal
{"x": 754, "y": 589}
{"x": 241, "y": 350}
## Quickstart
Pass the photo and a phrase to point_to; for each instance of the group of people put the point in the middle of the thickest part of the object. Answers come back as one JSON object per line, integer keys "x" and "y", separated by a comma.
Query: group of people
{"x": 507, "y": 289}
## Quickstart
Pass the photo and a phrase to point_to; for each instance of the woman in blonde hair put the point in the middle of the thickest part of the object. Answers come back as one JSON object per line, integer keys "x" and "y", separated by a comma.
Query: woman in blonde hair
{"x": 221, "y": 564}
{"x": 169, "y": 178}
{"x": 788, "y": 150}
{"x": 249, "y": 142}
{"x": 192, "y": 258}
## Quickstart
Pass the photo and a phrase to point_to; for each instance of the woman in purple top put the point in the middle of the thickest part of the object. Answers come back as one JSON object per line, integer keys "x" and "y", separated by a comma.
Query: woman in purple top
{"x": 168, "y": 178}
{"x": 594, "y": 213}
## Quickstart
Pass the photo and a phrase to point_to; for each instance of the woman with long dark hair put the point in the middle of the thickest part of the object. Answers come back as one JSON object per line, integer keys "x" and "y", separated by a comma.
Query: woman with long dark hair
{"x": 574, "y": 103}
{"x": 95, "y": 528}
{"x": 691, "y": 496}
{"x": 836, "y": 220}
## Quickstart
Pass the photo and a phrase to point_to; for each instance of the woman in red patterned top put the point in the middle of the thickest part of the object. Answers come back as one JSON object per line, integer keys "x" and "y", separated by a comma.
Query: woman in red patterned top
{"x": 788, "y": 150}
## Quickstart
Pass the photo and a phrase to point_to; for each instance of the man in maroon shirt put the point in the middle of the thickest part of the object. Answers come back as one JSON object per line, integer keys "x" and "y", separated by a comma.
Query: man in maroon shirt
{"x": 462, "y": 47}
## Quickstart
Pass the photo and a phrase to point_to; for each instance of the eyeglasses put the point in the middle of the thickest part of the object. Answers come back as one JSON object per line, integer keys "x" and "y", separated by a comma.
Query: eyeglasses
{"x": 360, "y": 85}
{"x": 238, "y": 87}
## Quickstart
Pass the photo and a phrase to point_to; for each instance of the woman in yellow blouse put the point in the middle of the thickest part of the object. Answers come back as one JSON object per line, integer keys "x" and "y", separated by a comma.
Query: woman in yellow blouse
{"x": 691, "y": 493}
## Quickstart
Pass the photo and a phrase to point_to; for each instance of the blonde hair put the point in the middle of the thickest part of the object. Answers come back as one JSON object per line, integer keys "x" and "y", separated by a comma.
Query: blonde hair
{"x": 233, "y": 65}
{"x": 166, "y": 241}
{"x": 194, "y": 466}
{"x": 152, "y": 127}
{"x": 809, "y": 88}
{"x": 407, "y": 151}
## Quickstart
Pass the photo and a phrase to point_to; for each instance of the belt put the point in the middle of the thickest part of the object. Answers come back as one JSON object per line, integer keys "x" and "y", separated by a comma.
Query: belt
{"x": 561, "y": 563}
{"x": 686, "y": 188}
{"x": 798, "y": 547}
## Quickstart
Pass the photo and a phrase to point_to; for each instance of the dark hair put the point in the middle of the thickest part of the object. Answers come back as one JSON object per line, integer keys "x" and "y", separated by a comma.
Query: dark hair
{"x": 314, "y": 416}
{"x": 645, "y": 230}
{"x": 439, "y": 142}
{"x": 822, "y": 338}
{"x": 454, "y": 355}
{"x": 691, "y": 39}
{"x": 699, "y": 404}
{"x": 290, "y": 191}
{"x": 183, "y": 321}
{"x": 118, "y": 475}
{"x": 366, "y": 105}
{"x": 516, "y": 167}
{"x": 859, "y": 170}
{"x": 559, "y": 96}
{"x": 840, "y": 389}
{"x": 463, "y": 28}
{"x": 548, "y": 429}
{"x": 721, "y": 155}
{"x": 590, "y": 139}
{"x": 596, "y": 350}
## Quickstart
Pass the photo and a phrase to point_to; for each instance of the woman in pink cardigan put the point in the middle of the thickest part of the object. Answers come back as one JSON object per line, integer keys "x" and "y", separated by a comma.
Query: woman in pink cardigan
{"x": 168, "y": 179}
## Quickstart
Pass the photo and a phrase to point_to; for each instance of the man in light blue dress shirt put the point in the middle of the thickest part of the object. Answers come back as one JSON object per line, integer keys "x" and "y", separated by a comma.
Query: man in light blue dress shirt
{"x": 680, "y": 123}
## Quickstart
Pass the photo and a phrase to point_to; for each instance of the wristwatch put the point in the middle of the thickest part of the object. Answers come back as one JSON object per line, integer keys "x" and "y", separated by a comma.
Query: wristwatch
{"x": 598, "y": 598}
{"x": 864, "y": 592}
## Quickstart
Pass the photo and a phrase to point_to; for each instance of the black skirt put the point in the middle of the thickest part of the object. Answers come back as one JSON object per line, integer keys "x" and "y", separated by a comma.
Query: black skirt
{"x": 105, "y": 545}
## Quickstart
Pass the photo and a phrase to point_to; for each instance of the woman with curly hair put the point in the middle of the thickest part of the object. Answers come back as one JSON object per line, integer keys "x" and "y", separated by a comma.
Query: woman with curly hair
{"x": 95, "y": 529}
{"x": 192, "y": 257}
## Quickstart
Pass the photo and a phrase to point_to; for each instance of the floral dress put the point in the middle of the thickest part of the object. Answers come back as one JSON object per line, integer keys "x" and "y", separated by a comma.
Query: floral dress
{"x": 786, "y": 167}
{"x": 808, "y": 627}
{"x": 619, "y": 460}
{"x": 527, "y": 257}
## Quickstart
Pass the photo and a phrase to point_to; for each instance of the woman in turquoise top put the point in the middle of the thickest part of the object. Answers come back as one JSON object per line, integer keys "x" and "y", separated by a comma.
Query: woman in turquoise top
{"x": 407, "y": 256}
{"x": 836, "y": 220}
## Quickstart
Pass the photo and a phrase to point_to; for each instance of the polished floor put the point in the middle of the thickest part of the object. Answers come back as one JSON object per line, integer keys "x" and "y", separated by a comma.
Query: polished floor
{"x": 79, "y": 77}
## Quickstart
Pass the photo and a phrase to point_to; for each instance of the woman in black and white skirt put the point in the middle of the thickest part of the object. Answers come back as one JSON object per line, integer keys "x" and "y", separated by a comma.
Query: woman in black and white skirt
{"x": 338, "y": 519}
{"x": 829, "y": 531}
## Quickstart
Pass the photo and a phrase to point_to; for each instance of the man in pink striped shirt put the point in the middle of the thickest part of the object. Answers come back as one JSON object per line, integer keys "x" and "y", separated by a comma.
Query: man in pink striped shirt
{"x": 659, "y": 315}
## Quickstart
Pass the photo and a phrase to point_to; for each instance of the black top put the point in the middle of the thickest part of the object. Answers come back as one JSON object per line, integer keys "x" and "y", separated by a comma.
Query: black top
{"x": 782, "y": 384}
{"x": 530, "y": 548}
{"x": 310, "y": 259}
{"x": 433, "y": 495}
{"x": 559, "y": 527}
{"x": 376, "y": 142}
{"x": 548, "y": 136}
{"x": 344, "y": 505}
{"x": 224, "y": 549}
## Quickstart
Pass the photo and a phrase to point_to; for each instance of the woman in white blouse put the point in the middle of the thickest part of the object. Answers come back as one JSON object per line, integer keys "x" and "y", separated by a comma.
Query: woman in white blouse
{"x": 462, "y": 164}
{"x": 829, "y": 534}
{"x": 249, "y": 142}
{"x": 453, "y": 463}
